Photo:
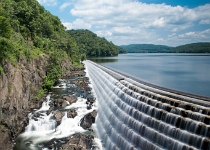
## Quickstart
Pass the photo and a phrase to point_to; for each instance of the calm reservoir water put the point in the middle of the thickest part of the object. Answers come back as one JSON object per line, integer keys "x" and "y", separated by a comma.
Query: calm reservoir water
{"x": 184, "y": 72}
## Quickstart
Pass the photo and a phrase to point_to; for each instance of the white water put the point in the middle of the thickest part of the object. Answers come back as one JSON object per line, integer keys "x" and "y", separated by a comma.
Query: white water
{"x": 44, "y": 128}
{"x": 135, "y": 116}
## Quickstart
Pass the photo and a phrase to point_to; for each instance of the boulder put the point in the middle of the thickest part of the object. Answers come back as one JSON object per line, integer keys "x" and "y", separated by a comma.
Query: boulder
{"x": 88, "y": 120}
{"x": 71, "y": 113}
{"x": 70, "y": 99}
{"x": 58, "y": 116}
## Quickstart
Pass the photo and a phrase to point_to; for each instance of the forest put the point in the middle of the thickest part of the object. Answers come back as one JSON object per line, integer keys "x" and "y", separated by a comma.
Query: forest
{"x": 192, "y": 48}
{"x": 202, "y": 47}
{"x": 92, "y": 45}
{"x": 145, "y": 48}
{"x": 28, "y": 30}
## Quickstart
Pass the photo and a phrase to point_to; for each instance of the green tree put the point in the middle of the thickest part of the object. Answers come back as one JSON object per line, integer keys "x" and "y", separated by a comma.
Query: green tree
{"x": 5, "y": 28}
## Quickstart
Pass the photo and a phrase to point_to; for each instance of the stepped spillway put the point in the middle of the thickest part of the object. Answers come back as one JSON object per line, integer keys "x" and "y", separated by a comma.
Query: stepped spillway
{"x": 137, "y": 115}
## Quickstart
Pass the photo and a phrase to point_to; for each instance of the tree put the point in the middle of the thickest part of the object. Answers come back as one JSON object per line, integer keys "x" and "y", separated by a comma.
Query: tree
{"x": 5, "y": 28}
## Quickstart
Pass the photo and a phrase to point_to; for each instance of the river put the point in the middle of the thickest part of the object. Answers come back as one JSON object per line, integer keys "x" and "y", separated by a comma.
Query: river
{"x": 180, "y": 71}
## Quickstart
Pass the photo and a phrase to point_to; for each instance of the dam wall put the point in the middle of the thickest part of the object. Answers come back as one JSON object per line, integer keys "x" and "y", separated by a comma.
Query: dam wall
{"x": 136, "y": 115}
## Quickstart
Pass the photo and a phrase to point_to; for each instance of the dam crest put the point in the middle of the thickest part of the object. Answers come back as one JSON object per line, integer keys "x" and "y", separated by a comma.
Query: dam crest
{"x": 133, "y": 114}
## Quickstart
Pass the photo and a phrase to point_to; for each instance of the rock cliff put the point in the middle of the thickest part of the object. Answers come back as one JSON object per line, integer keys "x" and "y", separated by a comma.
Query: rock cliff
{"x": 18, "y": 86}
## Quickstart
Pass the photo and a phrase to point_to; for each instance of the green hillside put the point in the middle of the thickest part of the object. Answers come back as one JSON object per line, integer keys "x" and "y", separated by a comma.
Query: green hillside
{"x": 145, "y": 48}
{"x": 150, "y": 48}
{"x": 29, "y": 31}
{"x": 192, "y": 48}
{"x": 92, "y": 45}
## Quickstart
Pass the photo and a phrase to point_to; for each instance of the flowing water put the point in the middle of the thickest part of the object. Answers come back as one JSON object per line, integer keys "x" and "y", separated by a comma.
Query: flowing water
{"x": 43, "y": 127}
{"x": 133, "y": 115}
{"x": 183, "y": 72}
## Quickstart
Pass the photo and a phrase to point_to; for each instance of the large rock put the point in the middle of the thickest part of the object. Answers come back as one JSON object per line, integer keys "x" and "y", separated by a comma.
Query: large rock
{"x": 58, "y": 116}
{"x": 78, "y": 142}
{"x": 72, "y": 113}
{"x": 70, "y": 99}
{"x": 88, "y": 120}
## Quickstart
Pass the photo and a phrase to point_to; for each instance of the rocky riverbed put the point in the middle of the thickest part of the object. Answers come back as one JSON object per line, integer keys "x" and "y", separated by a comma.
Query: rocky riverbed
{"x": 70, "y": 99}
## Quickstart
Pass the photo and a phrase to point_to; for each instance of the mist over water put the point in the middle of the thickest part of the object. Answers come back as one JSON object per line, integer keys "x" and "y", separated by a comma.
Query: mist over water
{"x": 184, "y": 72}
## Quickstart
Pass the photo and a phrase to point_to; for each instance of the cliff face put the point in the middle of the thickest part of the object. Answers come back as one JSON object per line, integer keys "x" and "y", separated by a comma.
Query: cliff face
{"x": 18, "y": 86}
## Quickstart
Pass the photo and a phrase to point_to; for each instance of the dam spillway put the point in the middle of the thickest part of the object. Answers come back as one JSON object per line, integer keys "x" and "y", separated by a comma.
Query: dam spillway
{"x": 136, "y": 115}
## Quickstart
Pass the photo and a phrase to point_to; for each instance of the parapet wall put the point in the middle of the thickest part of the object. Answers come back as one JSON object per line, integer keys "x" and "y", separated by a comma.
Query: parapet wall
{"x": 136, "y": 115}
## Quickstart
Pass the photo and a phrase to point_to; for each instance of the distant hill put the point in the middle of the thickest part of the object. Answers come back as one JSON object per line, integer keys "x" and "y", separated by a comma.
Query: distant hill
{"x": 150, "y": 48}
{"x": 146, "y": 48}
{"x": 121, "y": 50}
{"x": 91, "y": 44}
{"x": 192, "y": 48}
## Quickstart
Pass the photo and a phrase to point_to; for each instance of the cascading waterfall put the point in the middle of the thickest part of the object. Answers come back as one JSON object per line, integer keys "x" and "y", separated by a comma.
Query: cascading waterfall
{"x": 133, "y": 115}
{"x": 43, "y": 127}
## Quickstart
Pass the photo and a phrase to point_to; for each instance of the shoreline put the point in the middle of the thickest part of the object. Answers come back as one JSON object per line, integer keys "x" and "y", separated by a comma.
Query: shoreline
{"x": 77, "y": 140}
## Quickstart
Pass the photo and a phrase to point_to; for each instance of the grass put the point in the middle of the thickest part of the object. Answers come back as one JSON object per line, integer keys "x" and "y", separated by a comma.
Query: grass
{"x": 1, "y": 70}
{"x": 39, "y": 94}
{"x": 78, "y": 65}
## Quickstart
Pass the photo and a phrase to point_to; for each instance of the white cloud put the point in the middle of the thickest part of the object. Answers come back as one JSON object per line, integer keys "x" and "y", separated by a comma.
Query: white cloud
{"x": 130, "y": 21}
{"x": 65, "y": 5}
{"x": 207, "y": 21}
{"x": 204, "y": 35}
{"x": 48, "y": 2}
{"x": 77, "y": 24}
{"x": 159, "y": 22}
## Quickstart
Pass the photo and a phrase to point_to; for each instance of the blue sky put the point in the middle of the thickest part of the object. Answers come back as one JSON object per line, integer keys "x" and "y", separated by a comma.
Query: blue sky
{"x": 169, "y": 22}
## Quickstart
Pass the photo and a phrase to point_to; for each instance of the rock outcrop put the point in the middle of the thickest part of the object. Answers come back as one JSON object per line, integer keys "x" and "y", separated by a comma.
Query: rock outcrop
{"x": 18, "y": 87}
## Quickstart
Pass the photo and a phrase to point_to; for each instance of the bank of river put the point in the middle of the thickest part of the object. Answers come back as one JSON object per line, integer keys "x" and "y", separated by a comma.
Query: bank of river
{"x": 65, "y": 120}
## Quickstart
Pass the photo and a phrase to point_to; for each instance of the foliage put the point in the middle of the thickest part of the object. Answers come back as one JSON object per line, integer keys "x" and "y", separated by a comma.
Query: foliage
{"x": 150, "y": 48}
{"x": 83, "y": 57}
{"x": 28, "y": 30}
{"x": 1, "y": 70}
{"x": 145, "y": 48}
{"x": 92, "y": 45}
{"x": 36, "y": 27}
{"x": 39, "y": 94}
{"x": 5, "y": 28}
{"x": 121, "y": 50}
{"x": 8, "y": 50}
{"x": 192, "y": 48}
{"x": 78, "y": 65}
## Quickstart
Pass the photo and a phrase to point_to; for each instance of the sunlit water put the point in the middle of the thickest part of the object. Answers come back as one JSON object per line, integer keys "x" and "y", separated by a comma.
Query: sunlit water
{"x": 184, "y": 72}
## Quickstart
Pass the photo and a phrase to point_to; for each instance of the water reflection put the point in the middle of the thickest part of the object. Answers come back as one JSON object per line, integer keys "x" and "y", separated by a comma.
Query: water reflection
{"x": 103, "y": 59}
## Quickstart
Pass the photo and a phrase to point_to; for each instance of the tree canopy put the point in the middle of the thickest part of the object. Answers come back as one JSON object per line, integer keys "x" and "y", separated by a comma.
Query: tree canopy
{"x": 150, "y": 48}
{"x": 34, "y": 28}
{"x": 92, "y": 45}
{"x": 145, "y": 48}
{"x": 28, "y": 30}
{"x": 192, "y": 48}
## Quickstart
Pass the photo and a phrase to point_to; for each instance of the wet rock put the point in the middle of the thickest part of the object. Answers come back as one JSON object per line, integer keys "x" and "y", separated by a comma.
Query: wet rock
{"x": 64, "y": 104}
{"x": 71, "y": 113}
{"x": 78, "y": 142}
{"x": 88, "y": 120}
{"x": 58, "y": 115}
{"x": 70, "y": 99}
{"x": 50, "y": 110}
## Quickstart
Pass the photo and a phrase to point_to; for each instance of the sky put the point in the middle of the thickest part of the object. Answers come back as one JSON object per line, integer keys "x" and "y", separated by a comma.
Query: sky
{"x": 160, "y": 22}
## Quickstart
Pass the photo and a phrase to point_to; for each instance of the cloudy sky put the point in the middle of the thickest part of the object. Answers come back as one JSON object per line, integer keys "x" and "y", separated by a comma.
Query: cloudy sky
{"x": 165, "y": 22}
